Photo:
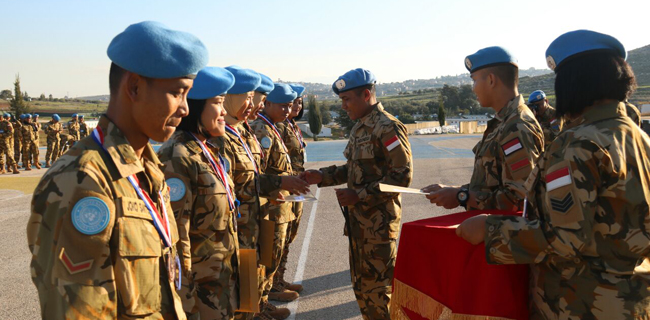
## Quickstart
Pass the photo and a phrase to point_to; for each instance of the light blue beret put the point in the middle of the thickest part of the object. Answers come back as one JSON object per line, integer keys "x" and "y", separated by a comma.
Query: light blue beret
{"x": 36, "y": 115}
{"x": 580, "y": 41}
{"x": 75, "y": 115}
{"x": 6, "y": 115}
{"x": 537, "y": 95}
{"x": 56, "y": 117}
{"x": 266, "y": 86}
{"x": 28, "y": 116}
{"x": 282, "y": 93}
{"x": 152, "y": 50}
{"x": 299, "y": 89}
{"x": 353, "y": 79}
{"x": 246, "y": 80}
{"x": 211, "y": 82}
{"x": 489, "y": 57}
{"x": 81, "y": 116}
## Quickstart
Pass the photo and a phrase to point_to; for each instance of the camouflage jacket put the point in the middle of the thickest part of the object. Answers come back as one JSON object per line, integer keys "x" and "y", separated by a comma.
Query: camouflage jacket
{"x": 73, "y": 129}
{"x": 378, "y": 152}
{"x": 588, "y": 236}
{"x": 53, "y": 130}
{"x": 633, "y": 112}
{"x": 294, "y": 141}
{"x": 199, "y": 200}
{"x": 96, "y": 252}
{"x": 6, "y": 129}
{"x": 37, "y": 129}
{"x": 551, "y": 126}
{"x": 275, "y": 161}
{"x": 83, "y": 130}
{"x": 18, "y": 134}
{"x": 28, "y": 133}
{"x": 505, "y": 156}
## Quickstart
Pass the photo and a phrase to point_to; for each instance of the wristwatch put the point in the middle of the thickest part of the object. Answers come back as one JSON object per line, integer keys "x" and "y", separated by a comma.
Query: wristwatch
{"x": 463, "y": 196}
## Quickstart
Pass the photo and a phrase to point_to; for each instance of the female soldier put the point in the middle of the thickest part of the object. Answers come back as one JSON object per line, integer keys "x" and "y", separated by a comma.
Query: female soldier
{"x": 204, "y": 204}
{"x": 588, "y": 237}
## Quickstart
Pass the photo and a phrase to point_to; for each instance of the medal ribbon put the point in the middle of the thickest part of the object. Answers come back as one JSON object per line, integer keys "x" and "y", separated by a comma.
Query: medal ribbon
{"x": 234, "y": 131}
{"x": 274, "y": 130}
{"x": 259, "y": 147}
{"x": 298, "y": 133}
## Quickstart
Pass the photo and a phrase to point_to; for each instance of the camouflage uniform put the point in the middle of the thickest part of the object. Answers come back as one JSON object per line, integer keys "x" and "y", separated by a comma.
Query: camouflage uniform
{"x": 633, "y": 113}
{"x": 17, "y": 140}
{"x": 53, "y": 130}
{"x": 117, "y": 273}
{"x": 505, "y": 156}
{"x": 588, "y": 239}
{"x": 207, "y": 231}
{"x": 83, "y": 130}
{"x": 551, "y": 126}
{"x": 275, "y": 162}
{"x": 28, "y": 137}
{"x": 73, "y": 131}
{"x": 249, "y": 185}
{"x": 6, "y": 149}
{"x": 35, "y": 144}
{"x": 378, "y": 152}
{"x": 64, "y": 144}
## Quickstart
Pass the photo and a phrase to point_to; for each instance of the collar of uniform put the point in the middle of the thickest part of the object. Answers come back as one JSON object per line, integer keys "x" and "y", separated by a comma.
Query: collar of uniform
{"x": 371, "y": 118}
{"x": 190, "y": 143}
{"x": 231, "y": 120}
{"x": 605, "y": 111}
{"x": 509, "y": 108}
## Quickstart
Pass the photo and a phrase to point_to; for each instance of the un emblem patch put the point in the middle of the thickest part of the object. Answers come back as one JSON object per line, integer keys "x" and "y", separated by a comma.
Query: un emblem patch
{"x": 176, "y": 189}
{"x": 265, "y": 142}
{"x": 90, "y": 215}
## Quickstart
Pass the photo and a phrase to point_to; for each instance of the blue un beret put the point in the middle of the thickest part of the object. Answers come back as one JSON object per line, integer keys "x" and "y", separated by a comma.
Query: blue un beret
{"x": 537, "y": 95}
{"x": 81, "y": 116}
{"x": 282, "y": 93}
{"x": 27, "y": 116}
{"x": 211, "y": 82}
{"x": 36, "y": 115}
{"x": 56, "y": 117}
{"x": 246, "y": 80}
{"x": 299, "y": 89}
{"x": 353, "y": 79}
{"x": 75, "y": 115}
{"x": 266, "y": 85}
{"x": 580, "y": 41}
{"x": 489, "y": 57}
{"x": 152, "y": 50}
{"x": 6, "y": 115}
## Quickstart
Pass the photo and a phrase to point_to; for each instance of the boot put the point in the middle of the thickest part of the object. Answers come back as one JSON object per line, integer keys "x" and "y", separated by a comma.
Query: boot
{"x": 262, "y": 316}
{"x": 282, "y": 294}
{"x": 27, "y": 167}
{"x": 47, "y": 164}
{"x": 2, "y": 169}
{"x": 38, "y": 166}
{"x": 16, "y": 169}
{"x": 281, "y": 283}
{"x": 274, "y": 312}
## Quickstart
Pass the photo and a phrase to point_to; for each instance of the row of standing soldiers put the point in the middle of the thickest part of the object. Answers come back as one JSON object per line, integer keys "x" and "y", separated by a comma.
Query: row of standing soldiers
{"x": 23, "y": 135}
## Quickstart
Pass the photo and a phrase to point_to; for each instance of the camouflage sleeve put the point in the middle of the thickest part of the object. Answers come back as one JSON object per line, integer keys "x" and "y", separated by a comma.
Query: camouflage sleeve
{"x": 269, "y": 185}
{"x": 73, "y": 270}
{"x": 334, "y": 175}
{"x": 264, "y": 137}
{"x": 633, "y": 113}
{"x": 519, "y": 149}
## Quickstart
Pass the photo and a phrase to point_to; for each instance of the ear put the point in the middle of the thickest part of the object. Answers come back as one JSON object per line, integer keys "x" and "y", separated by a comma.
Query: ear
{"x": 492, "y": 80}
{"x": 131, "y": 85}
{"x": 366, "y": 95}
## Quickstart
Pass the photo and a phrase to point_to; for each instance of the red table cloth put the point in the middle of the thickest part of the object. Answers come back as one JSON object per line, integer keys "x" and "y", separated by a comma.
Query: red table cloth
{"x": 438, "y": 275}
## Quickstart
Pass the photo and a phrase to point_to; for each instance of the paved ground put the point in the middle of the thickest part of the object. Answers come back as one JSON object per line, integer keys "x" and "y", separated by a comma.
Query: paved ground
{"x": 318, "y": 258}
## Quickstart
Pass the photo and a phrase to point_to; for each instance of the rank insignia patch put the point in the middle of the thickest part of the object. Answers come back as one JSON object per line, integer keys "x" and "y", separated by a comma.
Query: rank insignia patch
{"x": 562, "y": 205}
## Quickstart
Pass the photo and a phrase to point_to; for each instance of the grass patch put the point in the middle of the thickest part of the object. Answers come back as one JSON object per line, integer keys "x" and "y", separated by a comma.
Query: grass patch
{"x": 25, "y": 185}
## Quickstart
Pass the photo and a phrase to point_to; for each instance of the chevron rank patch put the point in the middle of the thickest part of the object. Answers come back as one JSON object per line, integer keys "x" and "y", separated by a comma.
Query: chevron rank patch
{"x": 558, "y": 178}
{"x": 512, "y": 146}
{"x": 74, "y": 267}
{"x": 562, "y": 205}
{"x": 392, "y": 143}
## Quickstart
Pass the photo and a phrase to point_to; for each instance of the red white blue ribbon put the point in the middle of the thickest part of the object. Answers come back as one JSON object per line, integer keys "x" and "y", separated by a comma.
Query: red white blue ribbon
{"x": 234, "y": 132}
{"x": 275, "y": 129}
{"x": 298, "y": 133}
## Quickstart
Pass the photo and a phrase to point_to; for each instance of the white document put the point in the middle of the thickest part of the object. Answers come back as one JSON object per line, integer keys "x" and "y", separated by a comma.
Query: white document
{"x": 309, "y": 197}
{"x": 396, "y": 189}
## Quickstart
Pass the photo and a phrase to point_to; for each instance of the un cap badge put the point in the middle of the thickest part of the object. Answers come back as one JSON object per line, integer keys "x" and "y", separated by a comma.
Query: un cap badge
{"x": 340, "y": 84}
{"x": 550, "y": 62}
{"x": 468, "y": 64}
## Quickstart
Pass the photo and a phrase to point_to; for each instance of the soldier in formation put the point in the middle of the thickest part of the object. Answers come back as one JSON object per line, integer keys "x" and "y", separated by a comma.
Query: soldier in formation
{"x": 28, "y": 137}
{"x": 73, "y": 129}
{"x": 545, "y": 115}
{"x": 53, "y": 130}
{"x": 6, "y": 145}
{"x": 35, "y": 144}
{"x": 83, "y": 127}
{"x": 17, "y": 124}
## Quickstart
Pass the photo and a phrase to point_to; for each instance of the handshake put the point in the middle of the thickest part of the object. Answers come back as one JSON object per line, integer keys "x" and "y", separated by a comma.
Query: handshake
{"x": 300, "y": 185}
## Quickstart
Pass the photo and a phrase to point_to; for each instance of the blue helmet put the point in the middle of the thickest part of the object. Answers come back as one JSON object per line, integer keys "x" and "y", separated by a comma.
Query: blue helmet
{"x": 537, "y": 95}
{"x": 56, "y": 117}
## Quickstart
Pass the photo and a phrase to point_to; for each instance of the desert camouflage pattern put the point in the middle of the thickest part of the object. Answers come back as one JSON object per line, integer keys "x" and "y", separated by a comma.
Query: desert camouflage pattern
{"x": 53, "y": 131}
{"x": 28, "y": 143}
{"x": 118, "y": 273}
{"x": 551, "y": 125}
{"x": 6, "y": 147}
{"x": 505, "y": 157}
{"x": 34, "y": 147}
{"x": 83, "y": 129}
{"x": 633, "y": 113}
{"x": 587, "y": 239}
{"x": 374, "y": 222}
{"x": 18, "y": 136}
{"x": 206, "y": 224}
{"x": 73, "y": 130}
{"x": 65, "y": 143}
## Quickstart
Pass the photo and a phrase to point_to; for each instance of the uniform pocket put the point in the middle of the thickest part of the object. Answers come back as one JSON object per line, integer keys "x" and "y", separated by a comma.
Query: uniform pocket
{"x": 211, "y": 209}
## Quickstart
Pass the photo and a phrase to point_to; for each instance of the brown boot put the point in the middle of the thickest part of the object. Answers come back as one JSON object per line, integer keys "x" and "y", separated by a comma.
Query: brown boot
{"x": 2, "y": 169}
{"x": 16, "y": 169}
{"x": 27, "y": 167}
{"x": 282, "y": 294}
{"x": 292, "y": 286}
{"x": 262, "y": 316}
{"x": 38, "y": 165}
{"x": 47, "y": 164}
{"x": 275, "y": 312}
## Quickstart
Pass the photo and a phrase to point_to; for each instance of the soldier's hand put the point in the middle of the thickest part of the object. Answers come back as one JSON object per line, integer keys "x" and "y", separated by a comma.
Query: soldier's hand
{"x": 294, "y": 185}
{"x": 446, "y": 197}
{"x": 347, "y": 197}
{"x": 312, "y": 176}
{"x": 433, "y": 188}
{"x": 473, "y": 229}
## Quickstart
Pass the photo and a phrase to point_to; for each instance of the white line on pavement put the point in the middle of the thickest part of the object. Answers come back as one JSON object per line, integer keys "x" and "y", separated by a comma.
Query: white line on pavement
{"x": 302, "y": 261}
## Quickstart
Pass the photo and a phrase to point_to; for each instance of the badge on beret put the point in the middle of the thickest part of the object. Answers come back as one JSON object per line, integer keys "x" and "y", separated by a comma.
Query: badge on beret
{"x": 468, "y": 64}
{"x": 266, "y": 142}
{"x": 90, "y": 215}
{"x": 176, "y": 189}
{"x": 340, "y": 84}
{"x": 550, "y": 62}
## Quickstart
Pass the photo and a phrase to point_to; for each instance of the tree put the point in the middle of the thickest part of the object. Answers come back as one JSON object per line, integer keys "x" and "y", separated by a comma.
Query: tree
{"x": 315, "y": 120}
{"x": 441, "y": 111}
{"x": 325, "y": 115}
{"x": 344, "y": 121}
{"x": 50, "y": 98}
{"x": 42, "y": 97}
{"x": 6, "y": 94}
{"x": 18, "y": 105}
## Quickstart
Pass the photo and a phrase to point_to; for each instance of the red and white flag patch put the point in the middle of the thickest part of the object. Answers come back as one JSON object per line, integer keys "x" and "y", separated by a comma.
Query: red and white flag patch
{"x": 520, "y": 164}
{"x": 74, "y": 267}
{"x": 511, "y": 146}
{"x": 392, "y": 143}
{"x": 558, "y": 178}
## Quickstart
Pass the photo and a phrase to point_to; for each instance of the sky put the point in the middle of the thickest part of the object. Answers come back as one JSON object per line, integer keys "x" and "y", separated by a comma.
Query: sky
{"x": 59, "y": 47}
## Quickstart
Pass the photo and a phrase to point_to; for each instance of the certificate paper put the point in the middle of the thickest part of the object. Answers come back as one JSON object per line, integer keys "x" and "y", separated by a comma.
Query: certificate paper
{"x": 396, "y": 189}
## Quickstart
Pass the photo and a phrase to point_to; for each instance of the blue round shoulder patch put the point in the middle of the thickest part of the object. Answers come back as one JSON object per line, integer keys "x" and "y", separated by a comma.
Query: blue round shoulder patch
{"x": 176, "y": 189}
{"x": 266, "y": 142}
{"x": 226, "y": 164}
{"x": 90, "y": 215}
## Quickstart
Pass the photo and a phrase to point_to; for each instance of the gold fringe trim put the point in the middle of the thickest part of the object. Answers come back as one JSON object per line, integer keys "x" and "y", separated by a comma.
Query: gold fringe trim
{"x": 405, "y": 296}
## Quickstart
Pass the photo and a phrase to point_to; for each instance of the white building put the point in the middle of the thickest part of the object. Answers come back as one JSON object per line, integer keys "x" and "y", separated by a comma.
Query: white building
{"x": 325, "y": 132}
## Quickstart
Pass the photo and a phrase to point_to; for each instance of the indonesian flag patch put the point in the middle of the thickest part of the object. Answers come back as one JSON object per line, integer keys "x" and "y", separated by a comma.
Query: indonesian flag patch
{"x": 558, "y": 178}
{"x": 511, "y": 146}
{"x": 392, "y": 143}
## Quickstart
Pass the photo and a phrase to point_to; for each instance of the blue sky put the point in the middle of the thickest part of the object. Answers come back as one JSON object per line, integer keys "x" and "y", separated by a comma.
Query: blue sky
{"x": 59, "y": 47}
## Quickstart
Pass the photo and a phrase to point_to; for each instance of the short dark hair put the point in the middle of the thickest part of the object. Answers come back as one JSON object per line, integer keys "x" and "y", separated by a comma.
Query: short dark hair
{"x": 508, "y": 74}
{"x": 361, "y": 89}
{"x": 191, "y": 123}
{"x": 114, "y": 77}
{"x": 583, "y": 80}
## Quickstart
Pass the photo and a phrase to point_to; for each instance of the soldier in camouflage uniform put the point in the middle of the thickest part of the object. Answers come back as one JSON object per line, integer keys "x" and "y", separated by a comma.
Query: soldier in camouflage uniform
{"x": 65, "y": 143}
{"x": 18, "y": 138}
{"x": 204, "y": 202}
{"x": 34, "y": 147}
{"x": 28, "y": 136}
{"x": 73, "y": 129}
{"x": 53, "y": 130}
{"x": 276, "y": 162}
{"x": 6, "y": 148}
{"x": 83, "y": 127}
{"x": 587, "y": 236}
{"x": 511, "y": 143}
{"x": 545, "y": 115}
{"x": 99, "y": 231}
{"x": 378, "y": 152}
